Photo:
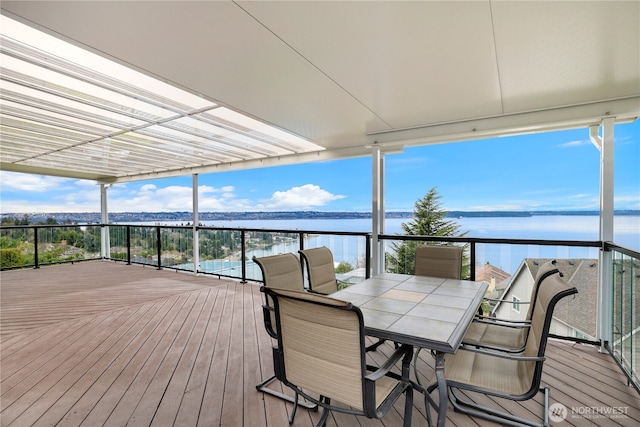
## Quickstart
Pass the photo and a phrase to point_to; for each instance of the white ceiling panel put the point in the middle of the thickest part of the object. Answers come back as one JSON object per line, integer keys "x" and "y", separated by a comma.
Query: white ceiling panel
{"x": 401, "y": 60}
{"x": 563, "y": 53}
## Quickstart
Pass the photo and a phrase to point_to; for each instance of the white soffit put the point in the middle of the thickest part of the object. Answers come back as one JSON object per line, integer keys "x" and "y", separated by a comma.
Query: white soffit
{"x": 68, "y": 112}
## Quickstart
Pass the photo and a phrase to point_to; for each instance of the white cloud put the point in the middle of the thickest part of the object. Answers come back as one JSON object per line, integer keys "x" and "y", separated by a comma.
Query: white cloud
{"x": 304, "y": 197}
{"x": 572, "y": 144}
{"x": 148, "y": 187}
{"x": 150, "y": 198}
{"x": 630, "y": 201}
{"x": 13, "y": 181}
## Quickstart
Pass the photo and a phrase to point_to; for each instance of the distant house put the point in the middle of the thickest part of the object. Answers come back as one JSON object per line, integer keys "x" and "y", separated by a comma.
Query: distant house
{"x": 573, "y": 317}
{"x": 495, "y": 277}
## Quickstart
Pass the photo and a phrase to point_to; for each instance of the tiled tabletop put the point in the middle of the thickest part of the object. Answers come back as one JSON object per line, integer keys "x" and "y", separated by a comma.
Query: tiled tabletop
{"x": 427, "y": 312}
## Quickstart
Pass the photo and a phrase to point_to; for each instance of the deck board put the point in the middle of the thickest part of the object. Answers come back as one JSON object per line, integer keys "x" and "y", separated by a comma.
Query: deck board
{"x": 103, "y": 343}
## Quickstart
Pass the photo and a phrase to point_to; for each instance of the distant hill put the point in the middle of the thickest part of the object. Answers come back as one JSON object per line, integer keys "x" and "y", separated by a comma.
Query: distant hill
{"x": 127, "y": 217}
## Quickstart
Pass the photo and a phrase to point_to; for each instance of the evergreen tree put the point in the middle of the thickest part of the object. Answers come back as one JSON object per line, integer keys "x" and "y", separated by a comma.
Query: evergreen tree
{"x": 429, "y": 219}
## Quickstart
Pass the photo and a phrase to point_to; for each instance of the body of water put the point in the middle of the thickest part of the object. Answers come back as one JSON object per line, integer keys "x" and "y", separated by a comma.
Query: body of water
{"x": 552, "y": 227}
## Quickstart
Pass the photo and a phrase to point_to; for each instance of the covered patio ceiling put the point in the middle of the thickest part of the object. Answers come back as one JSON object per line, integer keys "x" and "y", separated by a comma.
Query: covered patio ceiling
{"x": 245, "y": 84}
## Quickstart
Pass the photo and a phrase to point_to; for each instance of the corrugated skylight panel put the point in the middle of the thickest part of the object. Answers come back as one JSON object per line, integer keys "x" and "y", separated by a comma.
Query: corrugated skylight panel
{"x": 173, "y": 139}
{"x": 31, "y": 97}
{"x": 100, "y": 66}
{"x": 83, "y": 112}
{"x": 264, "y": 130}
{"x": 193, "y": 126}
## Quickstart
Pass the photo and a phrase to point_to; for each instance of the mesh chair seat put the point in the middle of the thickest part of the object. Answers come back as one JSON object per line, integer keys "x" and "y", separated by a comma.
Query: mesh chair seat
{"x": 482, "y": 372}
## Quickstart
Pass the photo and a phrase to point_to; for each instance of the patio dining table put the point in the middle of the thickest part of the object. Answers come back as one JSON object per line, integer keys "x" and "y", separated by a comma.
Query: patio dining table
{"x": 426, "y": 312}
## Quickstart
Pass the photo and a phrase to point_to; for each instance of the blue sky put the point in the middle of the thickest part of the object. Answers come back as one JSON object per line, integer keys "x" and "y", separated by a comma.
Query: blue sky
{"x": 549, "y": 171}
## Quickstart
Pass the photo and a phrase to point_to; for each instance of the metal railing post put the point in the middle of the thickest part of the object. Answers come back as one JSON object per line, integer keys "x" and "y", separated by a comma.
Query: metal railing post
{"x": 367, "y": 257}
{"x": 159, "y": 246}
{"x": 128, "y": 228}
{"x": 243, "y": 252}
{"x": 35, "y": 248}
{"x": 472, "y": 261}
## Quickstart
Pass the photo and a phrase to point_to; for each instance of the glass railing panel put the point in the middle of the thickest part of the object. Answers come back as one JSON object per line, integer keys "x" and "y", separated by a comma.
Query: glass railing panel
{"x": 17, "y": 247}
{"x": 41, "y": 245}
{"x": 144, "y": 245}
{"x": 625, "y": 343}
{"x": 510, "y": 269}
{"x": 574, "y": 317}
{"x": 220, "y": 252}
{"x": 266, "y": 243}
{"x": 68, "y": 243}
{"x": 176, "y": 244}
{"x": 118, "y": 242}
{"x": 349, "y": 254}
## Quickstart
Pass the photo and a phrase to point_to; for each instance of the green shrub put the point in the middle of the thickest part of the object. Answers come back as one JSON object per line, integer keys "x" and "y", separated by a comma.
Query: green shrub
{"x": 344, "y": 267}
{"x": 11, "y": 257}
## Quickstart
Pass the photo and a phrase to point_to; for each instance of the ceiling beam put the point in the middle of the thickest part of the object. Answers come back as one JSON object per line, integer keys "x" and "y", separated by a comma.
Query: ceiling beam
{"x": 547, "y": 120}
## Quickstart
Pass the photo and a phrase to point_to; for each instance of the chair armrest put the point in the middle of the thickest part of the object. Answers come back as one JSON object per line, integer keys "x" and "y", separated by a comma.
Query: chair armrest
{"x": 503, "y": 322}
{"x": 507, "y": 301}
{"x": 267, "y": 312}
{"x": 500, "y": 354}
{"x": 402, "y": 351}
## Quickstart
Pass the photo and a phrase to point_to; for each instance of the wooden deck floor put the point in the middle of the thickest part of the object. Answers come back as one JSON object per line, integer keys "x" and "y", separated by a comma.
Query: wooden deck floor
{"x": 100, "y": 343}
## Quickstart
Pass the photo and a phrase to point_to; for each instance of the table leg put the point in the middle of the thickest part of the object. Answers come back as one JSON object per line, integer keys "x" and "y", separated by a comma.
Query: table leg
{"x": 442, "y": 389}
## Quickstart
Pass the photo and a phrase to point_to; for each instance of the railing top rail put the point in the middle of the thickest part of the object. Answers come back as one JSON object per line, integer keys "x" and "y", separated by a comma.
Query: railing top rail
{"x": 273, "y": 230}
{"x": 583, "y": 243}
{"x": 608, "y": 246}
{"x": 14, "y": 227}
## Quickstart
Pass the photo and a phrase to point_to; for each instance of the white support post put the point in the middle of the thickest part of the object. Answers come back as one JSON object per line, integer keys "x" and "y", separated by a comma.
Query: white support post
{"x": 605, "y": 144}
{"x": 196, "y": 240}
{"x": 381, "y": 213}
{"x": 105, "y": 246}
{"x": 377, "y": 210}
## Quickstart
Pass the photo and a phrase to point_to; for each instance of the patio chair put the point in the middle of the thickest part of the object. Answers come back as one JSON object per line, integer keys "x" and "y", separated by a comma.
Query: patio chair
{"x": 321, "y": 351}
{"x": 505, "y": 334}
{"x": 439, "y": 261}
{"x": 506, "y": 375}
{"x": 322, "y": 276}
{"x": 282, "y": 272}
{"x": 321, "y": 272}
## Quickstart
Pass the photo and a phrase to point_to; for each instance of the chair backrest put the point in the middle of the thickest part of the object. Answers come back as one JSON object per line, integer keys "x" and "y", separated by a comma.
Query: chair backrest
{"x": 545, "y": 270}
{"x": 439, "y": 261}
{"x": 280, "y": 272}
{"x": 552, "y": 289}
{"x": 321, "y": 340}
{"x": 320, "y": 270}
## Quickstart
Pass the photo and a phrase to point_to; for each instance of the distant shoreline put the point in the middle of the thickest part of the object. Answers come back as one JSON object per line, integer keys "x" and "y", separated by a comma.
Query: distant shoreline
{"x": 94, "y": 217}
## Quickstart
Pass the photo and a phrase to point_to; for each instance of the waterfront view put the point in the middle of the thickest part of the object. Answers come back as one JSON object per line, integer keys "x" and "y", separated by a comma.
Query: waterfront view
{"x": 505, "y": 256}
